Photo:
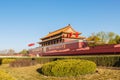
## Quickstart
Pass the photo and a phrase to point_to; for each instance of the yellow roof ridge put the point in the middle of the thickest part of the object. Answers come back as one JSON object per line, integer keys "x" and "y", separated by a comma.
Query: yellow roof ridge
{"x": 64, "y": 28}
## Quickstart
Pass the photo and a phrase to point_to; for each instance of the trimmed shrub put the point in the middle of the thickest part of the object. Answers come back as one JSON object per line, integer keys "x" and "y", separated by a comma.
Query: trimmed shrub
{"x": 22, "y": 63}
{"x": 5, "y": 76}
{"x": 68, "y": 67}
{"x": 7, "y": 61}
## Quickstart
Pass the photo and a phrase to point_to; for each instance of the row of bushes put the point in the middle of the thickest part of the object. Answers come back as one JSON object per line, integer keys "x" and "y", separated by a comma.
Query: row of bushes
{"x": 5, "y": 76}
{"x": 22, "y": 63}
{"x": 38, "y": 60}
{"x": 108, "y": 61}
{"x": 100, "y": 60}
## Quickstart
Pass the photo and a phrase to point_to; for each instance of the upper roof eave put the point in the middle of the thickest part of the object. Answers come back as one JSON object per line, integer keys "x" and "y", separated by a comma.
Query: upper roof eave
{"x": 62, "y": 30}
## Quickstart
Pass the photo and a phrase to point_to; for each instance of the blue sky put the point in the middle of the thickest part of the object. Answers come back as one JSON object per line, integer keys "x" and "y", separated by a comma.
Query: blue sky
{"x": 25, "y": 21}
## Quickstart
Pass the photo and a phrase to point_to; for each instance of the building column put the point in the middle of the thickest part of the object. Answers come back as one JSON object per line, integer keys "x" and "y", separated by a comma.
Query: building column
{"x": 48, "y": 42}
{"x": 59, "y": 40}
{"x": 45, "y": 43}
{"x": 55, "y": 41}
{"x": 62, "y": 40}
{"x": 51, "y": 42}
{"x": 42, "y": 44}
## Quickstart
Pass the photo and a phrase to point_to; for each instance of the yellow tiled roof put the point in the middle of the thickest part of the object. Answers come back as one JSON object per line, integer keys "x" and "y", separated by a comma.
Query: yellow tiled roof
{"x": 58, "y": 31}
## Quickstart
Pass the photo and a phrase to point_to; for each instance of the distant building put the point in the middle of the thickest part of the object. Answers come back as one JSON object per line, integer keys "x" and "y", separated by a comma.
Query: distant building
{"x": 63, "y": 39}
{"x": 60, "y": 36}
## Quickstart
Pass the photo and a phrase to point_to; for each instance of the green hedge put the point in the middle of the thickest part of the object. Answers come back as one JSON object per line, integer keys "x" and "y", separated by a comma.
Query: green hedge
{"x": 100, "y": 60}
{"x": 7, "y": 60}
{"x": 68, "y": 67}
{"x": 43, "y": 60}
{"x": 40, "y": 60}
{"x": 108, "y": 61}
{"x": 5, "y": 76}
{"x": 22, "y": 63}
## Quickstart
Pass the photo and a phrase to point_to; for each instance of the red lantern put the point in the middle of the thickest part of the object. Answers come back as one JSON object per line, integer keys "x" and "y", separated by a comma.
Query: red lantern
{"x": 76, "y": 34}
{"x": 70, "y": 34}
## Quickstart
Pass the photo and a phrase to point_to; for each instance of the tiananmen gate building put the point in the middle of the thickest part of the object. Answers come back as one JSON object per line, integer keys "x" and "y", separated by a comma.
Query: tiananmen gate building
{"x": 59, "y": 40}
{"x": 62, "y": 35}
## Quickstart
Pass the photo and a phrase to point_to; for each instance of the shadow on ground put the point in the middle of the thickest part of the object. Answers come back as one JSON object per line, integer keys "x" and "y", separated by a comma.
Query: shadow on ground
{"x": 39, "y": 70}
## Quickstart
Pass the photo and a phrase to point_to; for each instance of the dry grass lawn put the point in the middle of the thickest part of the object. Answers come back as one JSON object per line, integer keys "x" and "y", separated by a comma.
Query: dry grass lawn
{"x": 30, "y": 73}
